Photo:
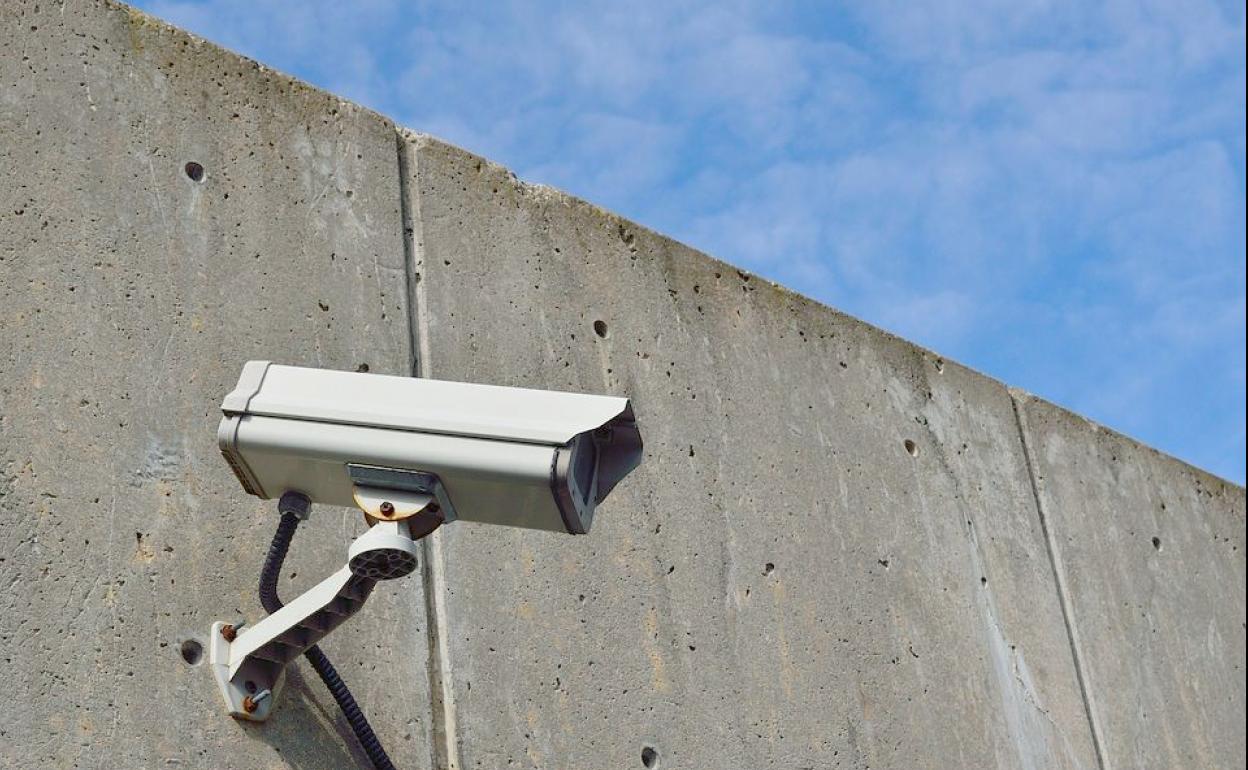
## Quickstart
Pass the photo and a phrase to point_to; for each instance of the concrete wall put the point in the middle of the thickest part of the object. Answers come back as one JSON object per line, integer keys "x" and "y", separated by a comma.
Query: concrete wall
{"x": 130, "y": 295}
{"x": 840, "y": 551}
{"x": 1151, "y": 558}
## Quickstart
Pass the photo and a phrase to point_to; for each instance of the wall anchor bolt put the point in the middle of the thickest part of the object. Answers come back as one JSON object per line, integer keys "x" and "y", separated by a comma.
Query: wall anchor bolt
{"x": 252, "y": 702}
{"x": 229, "y": 631}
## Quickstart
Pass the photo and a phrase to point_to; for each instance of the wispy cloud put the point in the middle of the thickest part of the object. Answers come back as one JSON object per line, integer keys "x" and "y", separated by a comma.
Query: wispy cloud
{"x": 1050, "y": 191}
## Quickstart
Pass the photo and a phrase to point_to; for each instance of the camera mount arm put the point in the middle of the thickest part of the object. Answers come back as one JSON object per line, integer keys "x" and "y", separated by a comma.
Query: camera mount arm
{"x": 248, "y": 664}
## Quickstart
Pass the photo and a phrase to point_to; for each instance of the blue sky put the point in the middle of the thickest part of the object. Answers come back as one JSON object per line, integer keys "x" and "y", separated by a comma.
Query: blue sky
{"x": 1050, "y": 192}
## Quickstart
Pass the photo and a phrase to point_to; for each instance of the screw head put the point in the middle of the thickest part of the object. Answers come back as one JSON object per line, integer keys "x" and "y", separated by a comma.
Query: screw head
{"x": 252, "y": 702}
{"x": 228, "y": 632}
{"x": 387, "y": 508}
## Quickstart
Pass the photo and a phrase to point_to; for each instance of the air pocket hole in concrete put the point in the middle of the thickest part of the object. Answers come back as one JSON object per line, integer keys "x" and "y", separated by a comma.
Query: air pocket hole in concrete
{"x": 192, "y": 651}
{"x": 1157, "y": 543}
{"x": 911, "y": 448}
{"x": 649, "y": 757}
{"x": 600, "y": 328}
{"x": 194, "y": 171}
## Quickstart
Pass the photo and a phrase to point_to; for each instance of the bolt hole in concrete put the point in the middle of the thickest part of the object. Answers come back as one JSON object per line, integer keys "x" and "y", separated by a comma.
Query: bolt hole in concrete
{"x": 192, "y": 651}
{"x": 649, "y": 757}
{"x": 194, "y": 171}
{"x": 911, "y": 448}
{"x": 600, "y": 328}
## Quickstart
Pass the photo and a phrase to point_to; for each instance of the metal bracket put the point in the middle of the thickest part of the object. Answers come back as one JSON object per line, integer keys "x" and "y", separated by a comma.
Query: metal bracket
{"x": 401, "y": 507}
{"x": 372, "y": 477}
{"x": 252, "y": 663}
{"x": 254, "y": 677}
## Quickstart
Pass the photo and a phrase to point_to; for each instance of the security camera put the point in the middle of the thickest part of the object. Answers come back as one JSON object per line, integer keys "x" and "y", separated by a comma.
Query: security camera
{"x": 412, "y": 454}
{"x": 526, "y": 458}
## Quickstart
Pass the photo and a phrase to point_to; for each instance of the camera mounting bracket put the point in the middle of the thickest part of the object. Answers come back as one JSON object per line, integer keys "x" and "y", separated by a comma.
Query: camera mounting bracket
{"x": 248, "y": 663}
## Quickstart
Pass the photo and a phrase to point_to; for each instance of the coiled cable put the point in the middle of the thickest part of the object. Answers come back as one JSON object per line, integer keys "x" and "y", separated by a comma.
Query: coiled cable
{"x": 271, "y": 602}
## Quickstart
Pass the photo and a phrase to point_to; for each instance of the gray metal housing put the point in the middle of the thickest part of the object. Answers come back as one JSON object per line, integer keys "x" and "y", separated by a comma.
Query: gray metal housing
{"x": 528, "y": 458}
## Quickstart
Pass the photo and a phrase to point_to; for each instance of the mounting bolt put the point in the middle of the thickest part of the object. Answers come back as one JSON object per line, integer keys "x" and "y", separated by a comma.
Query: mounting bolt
{"x": 252, "y": 702}
{"x": 229, "y": 632}
{"x": 387, "y": 509}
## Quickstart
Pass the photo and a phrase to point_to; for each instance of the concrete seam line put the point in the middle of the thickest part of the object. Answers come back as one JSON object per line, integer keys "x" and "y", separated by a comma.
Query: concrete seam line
{"x": 1063, "y": 596}
{"x": 409, "y": 253}
{"x": 444, "y": 748}
{"x": 446, "y": 745}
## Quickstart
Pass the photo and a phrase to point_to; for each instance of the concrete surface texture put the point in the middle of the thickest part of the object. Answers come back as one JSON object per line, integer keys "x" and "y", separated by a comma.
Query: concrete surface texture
{"x": 841, "y": 551}
{"x": 131, "y": 295}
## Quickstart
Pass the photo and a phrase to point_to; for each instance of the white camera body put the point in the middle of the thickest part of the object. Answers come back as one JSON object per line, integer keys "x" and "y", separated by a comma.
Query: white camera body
{"x": 514, "y": 456}
{"x": 412, "y": 454}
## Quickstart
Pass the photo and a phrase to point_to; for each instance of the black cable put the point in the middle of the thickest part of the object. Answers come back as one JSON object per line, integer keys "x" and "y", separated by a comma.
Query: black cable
{"x": 273, "y": 560}
{"x": 271, "y": 602}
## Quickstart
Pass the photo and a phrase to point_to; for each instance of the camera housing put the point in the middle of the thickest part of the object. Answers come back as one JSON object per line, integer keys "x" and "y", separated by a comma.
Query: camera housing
{"x": 412, "y": 454}
{"x": 514, "y": 456}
